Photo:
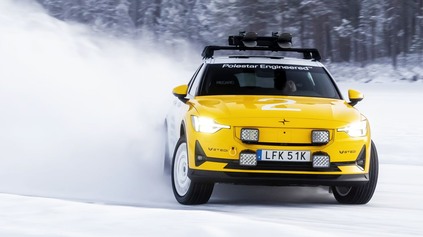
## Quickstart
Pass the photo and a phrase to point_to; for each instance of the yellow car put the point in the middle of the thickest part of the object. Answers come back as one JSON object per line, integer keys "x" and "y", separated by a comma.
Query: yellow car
{"x": 267, "y": 120}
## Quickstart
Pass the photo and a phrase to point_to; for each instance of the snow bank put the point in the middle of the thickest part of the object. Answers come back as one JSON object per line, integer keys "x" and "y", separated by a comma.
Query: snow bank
{"x": 381, "y": 71}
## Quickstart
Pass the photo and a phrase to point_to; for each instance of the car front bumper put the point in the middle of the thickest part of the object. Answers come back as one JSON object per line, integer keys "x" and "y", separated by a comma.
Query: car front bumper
{"x": 229, "y": 170}
{"x": 273, "y": 179}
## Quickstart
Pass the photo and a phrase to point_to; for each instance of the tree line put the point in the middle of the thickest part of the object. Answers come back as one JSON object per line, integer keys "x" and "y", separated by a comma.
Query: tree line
{"x": 358, "y": 31}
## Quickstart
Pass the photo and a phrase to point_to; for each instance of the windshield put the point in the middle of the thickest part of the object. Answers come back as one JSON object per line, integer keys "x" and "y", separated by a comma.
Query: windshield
{"x": 267, "y": 79}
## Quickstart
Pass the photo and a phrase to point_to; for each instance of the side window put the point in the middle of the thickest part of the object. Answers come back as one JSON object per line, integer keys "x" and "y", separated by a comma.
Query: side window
{"x": 192, "y": 85}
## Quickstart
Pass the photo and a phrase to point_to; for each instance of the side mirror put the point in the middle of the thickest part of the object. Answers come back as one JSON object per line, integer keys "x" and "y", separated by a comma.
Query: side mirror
{"x": 181, "y": 92}
{"x": 355, "y": 97}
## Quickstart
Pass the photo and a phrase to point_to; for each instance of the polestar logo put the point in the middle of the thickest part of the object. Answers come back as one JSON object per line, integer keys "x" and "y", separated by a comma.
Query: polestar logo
{"x": 284, "y": 121}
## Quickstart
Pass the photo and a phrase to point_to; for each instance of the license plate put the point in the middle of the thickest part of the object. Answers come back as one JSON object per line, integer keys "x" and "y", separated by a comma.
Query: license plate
{"x": 283, "y": 156}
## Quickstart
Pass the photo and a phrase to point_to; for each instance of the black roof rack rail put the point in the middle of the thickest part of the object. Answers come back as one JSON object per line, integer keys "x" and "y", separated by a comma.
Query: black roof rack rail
{"x": 250, "y": 41}
{"x": 308, "y": 53}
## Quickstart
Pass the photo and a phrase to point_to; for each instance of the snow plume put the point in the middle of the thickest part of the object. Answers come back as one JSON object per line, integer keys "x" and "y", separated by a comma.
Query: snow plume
{"x": 81, "y": 115}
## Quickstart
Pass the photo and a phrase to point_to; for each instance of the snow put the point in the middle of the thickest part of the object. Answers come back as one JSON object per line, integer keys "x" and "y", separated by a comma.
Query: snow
{"x": 233, "y": 211}
{"x": 80, "y": 146}
{"x": 380, "y": 71}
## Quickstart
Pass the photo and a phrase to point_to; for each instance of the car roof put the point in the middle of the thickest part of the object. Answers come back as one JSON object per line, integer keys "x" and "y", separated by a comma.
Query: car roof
{"x": 263, "y": 60}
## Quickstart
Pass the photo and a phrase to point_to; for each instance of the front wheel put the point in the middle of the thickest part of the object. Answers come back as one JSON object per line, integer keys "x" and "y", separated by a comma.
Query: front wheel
{"x": 360, "y": 194}
{"x": 186, "y": 191}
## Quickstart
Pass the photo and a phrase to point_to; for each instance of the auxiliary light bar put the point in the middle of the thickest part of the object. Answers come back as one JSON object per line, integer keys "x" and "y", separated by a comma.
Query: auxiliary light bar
{"x": 250, "y": 41}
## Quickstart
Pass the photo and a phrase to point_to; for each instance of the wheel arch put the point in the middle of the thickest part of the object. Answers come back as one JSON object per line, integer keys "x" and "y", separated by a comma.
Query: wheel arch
{"x": 182, "y": 131}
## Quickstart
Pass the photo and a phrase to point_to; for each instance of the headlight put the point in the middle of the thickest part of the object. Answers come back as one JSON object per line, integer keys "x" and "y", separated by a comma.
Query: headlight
{"x": 357, "y": 129}
{"x": 206, "y": 125}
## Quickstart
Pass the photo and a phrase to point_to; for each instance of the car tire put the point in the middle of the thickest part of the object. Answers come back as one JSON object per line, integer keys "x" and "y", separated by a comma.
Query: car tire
{"x": 186, "y": 191}
{"x": 360, "y": 194}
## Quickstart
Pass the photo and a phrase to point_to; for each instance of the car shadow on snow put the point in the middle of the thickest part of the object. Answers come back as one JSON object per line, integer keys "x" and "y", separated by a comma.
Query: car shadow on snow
{"x": 270, "y": 195}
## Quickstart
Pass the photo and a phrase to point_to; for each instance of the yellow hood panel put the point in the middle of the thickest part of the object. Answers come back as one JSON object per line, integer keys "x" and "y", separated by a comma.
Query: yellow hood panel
{"x": 276, "y": 111}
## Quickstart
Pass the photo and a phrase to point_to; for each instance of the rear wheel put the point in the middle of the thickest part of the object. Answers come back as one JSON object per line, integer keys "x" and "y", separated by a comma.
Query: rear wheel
{"x": 186, "y": 191}
{"x": 360, "y": 194}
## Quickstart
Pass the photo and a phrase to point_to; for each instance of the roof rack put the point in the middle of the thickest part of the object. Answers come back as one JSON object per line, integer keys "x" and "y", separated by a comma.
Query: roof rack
{"x": 250, "y": 41}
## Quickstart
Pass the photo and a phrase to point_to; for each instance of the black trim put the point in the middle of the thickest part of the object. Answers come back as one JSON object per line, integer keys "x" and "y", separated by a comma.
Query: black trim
{"x": 282, "y": 144}
{"x": 308, "y": 53}
{"x": 219, "y": 160}
{"x": 223, "y": 160}
{"x": 362, "y": 156}
{"x": 286, "y": 166}
{"x": 199, "y": 152}
{"x": 277, "y": 179}
{"x": 255, "y": 56}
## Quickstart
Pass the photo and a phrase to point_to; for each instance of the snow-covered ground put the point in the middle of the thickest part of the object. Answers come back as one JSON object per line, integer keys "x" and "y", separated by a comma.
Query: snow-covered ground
{"x": 395, "y": 210}
{"x": 80, "y": 146}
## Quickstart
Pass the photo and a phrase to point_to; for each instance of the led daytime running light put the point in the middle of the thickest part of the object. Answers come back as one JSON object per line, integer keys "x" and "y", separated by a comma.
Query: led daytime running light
{"x": 357, "y": 129}
{"x": 206, "y": 125}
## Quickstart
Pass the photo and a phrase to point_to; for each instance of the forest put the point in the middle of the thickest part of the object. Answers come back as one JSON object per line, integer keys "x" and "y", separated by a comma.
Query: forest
{"x": 358, "y": 31}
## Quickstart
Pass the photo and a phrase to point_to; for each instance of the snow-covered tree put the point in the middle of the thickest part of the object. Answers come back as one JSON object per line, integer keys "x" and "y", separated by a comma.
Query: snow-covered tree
{"x": 343, "y": 30}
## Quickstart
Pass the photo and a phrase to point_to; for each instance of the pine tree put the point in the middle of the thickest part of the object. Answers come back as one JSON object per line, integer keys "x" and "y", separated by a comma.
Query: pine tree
{"x": 343, "y": 30}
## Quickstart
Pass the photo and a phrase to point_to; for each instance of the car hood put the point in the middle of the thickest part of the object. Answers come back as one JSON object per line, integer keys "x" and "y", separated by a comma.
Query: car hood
{"x": 276, "y": 110}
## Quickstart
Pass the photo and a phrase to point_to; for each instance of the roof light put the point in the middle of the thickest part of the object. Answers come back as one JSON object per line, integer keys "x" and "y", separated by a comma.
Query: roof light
{"x": 285, "y": 40}
{"x": 250, "y": 39}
